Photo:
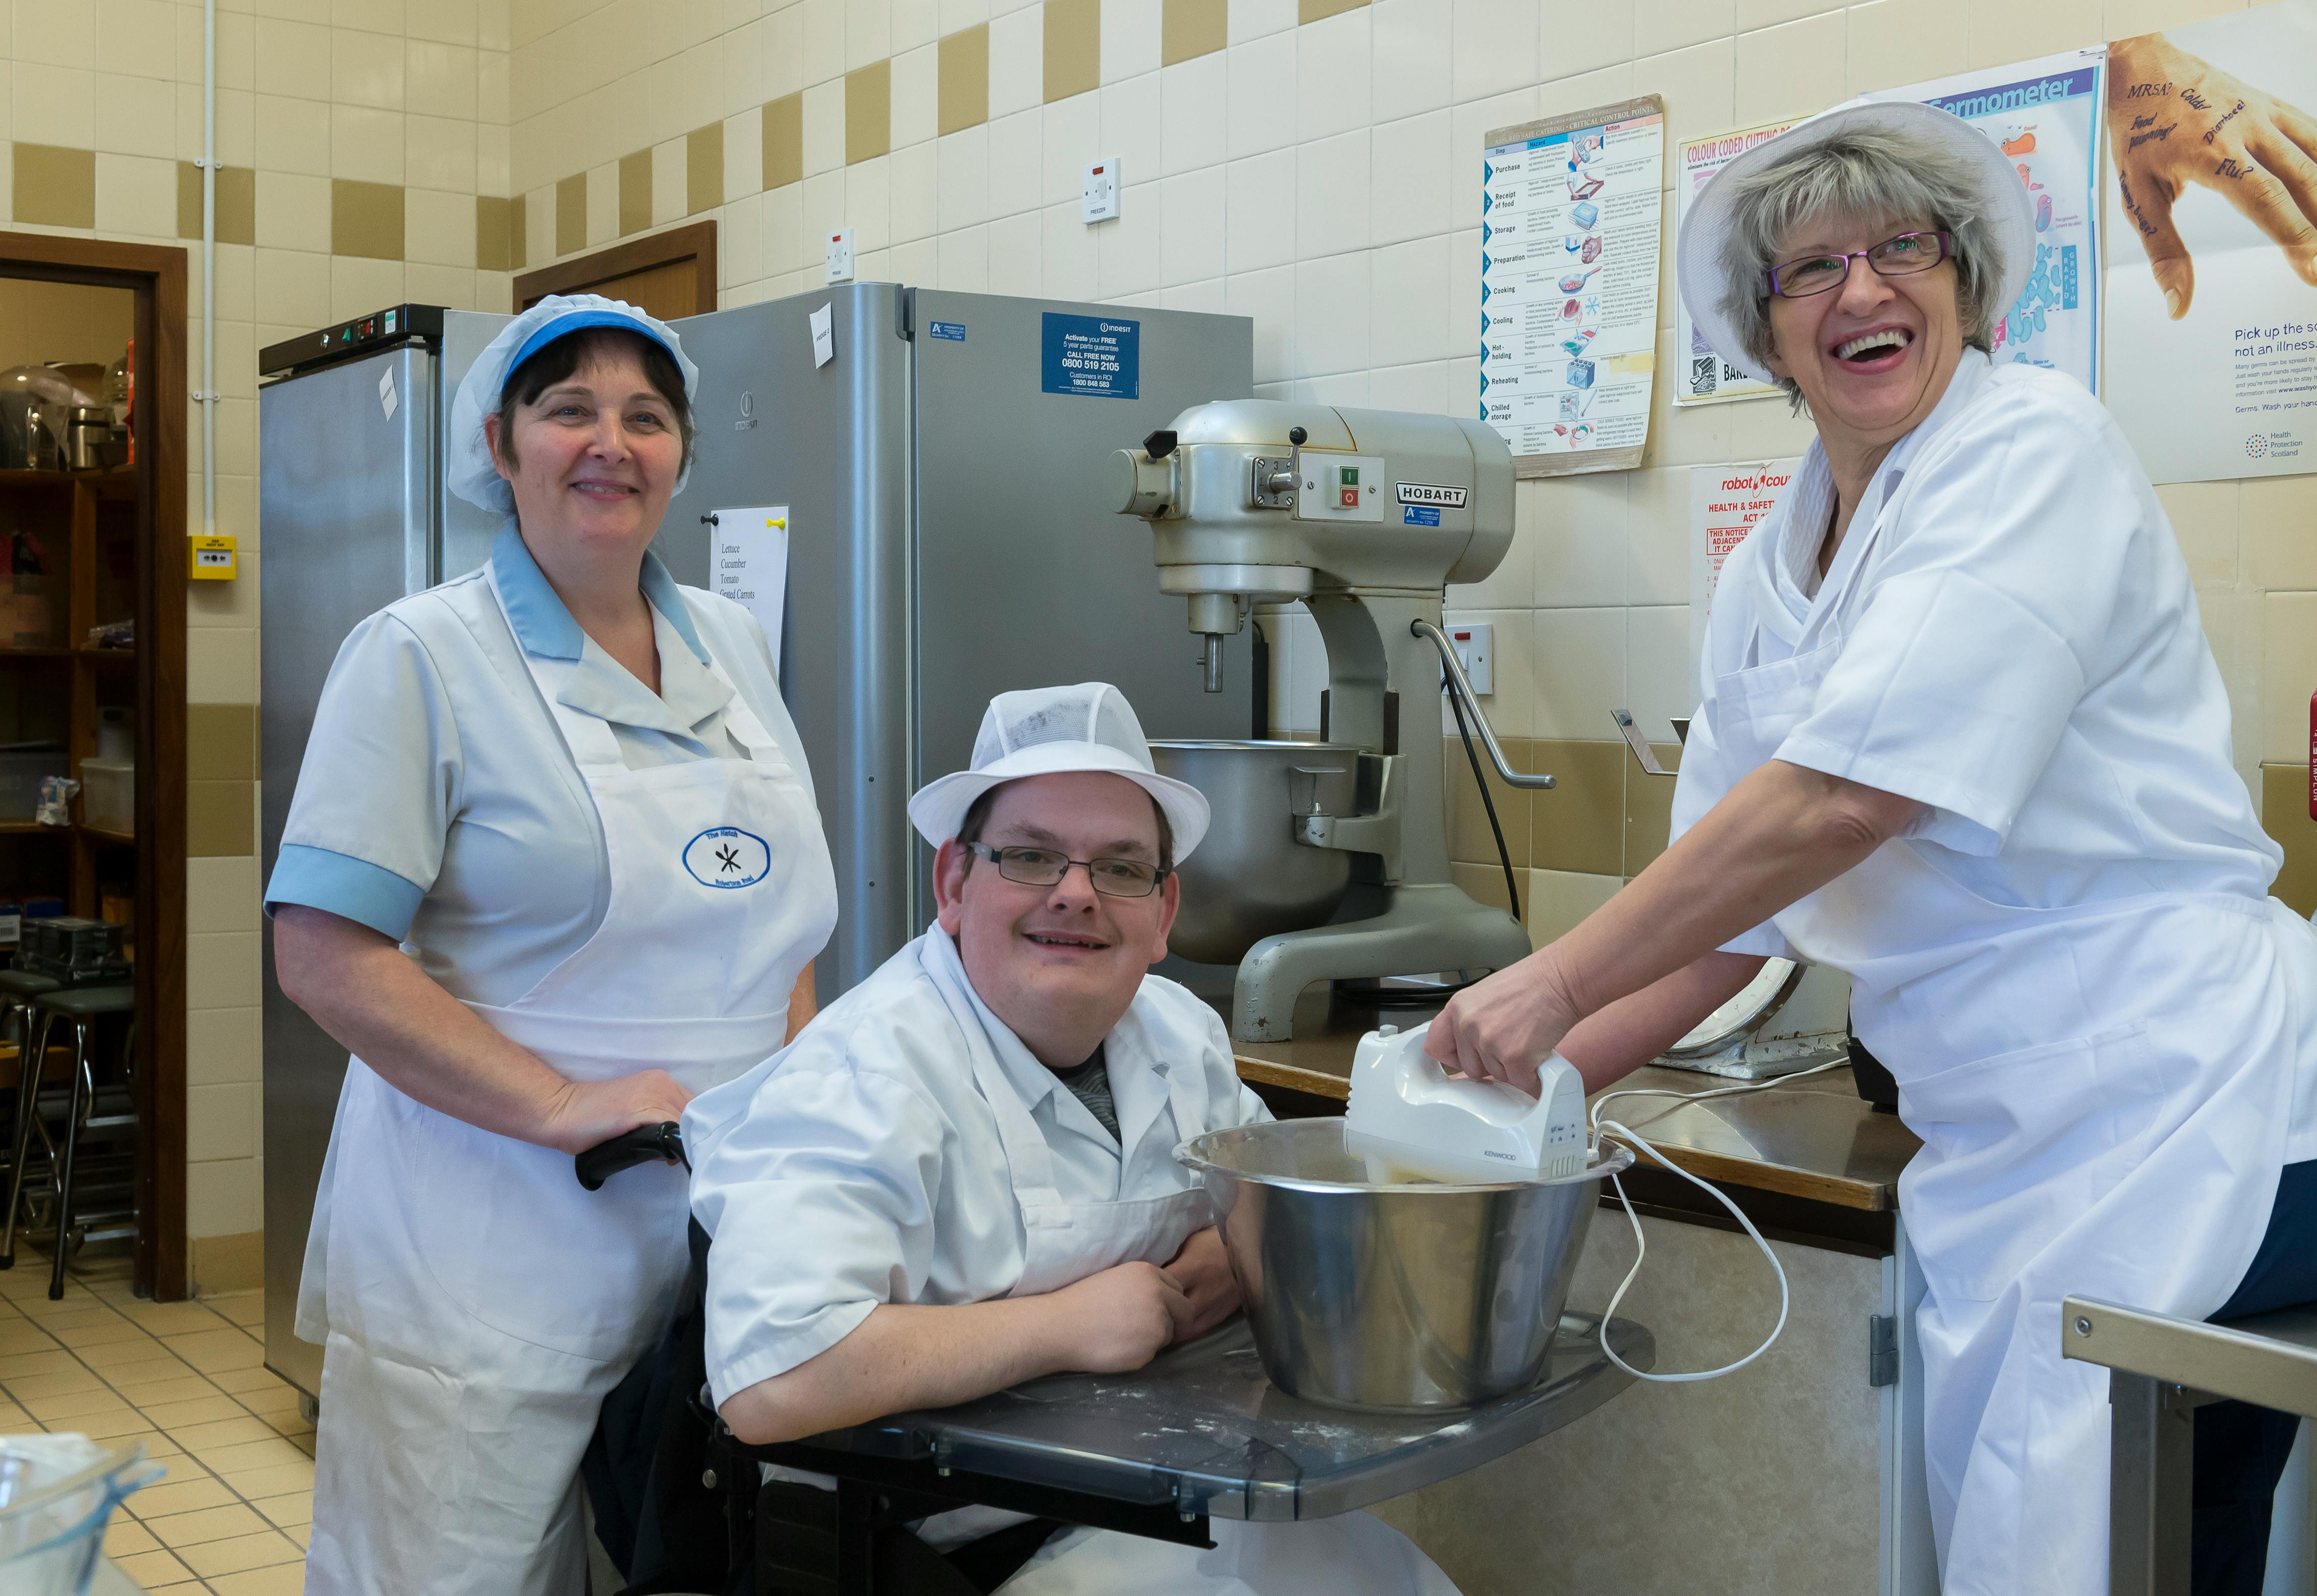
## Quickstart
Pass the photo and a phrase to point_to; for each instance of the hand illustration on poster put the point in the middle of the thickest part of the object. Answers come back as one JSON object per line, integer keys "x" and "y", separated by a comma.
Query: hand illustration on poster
{"x": 2212, "y": 279}
{"x": 2174, "y": 120}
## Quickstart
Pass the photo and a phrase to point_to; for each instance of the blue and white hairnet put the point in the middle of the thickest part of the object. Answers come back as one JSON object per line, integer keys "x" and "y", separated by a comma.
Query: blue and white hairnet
{"x": 468, "y": 470}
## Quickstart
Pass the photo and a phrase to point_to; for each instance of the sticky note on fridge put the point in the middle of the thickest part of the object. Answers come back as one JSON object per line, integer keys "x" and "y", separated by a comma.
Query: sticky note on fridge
{"x": 751, "y": 565}
{"x": 824, "y": 337}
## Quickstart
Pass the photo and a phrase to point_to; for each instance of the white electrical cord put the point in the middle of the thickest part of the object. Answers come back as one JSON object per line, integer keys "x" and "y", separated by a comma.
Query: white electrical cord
{"x": 1640, "y": 1244}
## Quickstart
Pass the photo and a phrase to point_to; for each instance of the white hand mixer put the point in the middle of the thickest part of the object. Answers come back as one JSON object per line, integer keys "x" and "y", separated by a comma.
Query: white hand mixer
{"x": 1412, "y": 1121}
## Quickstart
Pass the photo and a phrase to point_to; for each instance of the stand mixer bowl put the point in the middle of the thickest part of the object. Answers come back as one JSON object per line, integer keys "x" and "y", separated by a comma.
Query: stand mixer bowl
{"x": 1251, "y": 878}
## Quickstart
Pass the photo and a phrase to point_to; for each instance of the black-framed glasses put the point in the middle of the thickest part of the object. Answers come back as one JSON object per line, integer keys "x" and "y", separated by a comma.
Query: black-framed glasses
{"x": 1901, "y": 256}
{"x": 1046, "y": 867}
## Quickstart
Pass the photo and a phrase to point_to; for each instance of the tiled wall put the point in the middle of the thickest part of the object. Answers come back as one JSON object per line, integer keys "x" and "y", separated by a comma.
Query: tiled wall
{"x": 1312, "y": 165}
{"x": 364, "y": 145}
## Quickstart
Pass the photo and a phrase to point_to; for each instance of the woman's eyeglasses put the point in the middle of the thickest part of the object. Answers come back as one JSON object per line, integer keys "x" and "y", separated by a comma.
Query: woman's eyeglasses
{"x": 1044, "y": 867}
{"x": 1901, "y": 256}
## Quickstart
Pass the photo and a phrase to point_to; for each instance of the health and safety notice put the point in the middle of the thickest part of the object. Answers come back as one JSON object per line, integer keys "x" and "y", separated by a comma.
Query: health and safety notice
{"x": 1569, "y": 234}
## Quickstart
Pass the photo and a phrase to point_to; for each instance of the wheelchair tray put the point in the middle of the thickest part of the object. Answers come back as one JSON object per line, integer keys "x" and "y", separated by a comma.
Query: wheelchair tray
{"x": 1201, "y": 1428}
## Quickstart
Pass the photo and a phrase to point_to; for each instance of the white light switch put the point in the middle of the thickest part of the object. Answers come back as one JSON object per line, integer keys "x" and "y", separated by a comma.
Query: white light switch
{"x": 1098, "y": 197}
{"x": 840, "y": 255}
{"x": 1476, "y": 654}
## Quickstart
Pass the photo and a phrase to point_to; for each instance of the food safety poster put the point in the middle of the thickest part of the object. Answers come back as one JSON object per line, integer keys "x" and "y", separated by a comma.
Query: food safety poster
{"x": 752, "y": 564}
{"x": 2212, "y": 320}
{"x": 1725, "y": 501}
{"x": 1704, "y": 378}
{"x": 1569, "y": 226}
{"x": 2044, "y": 115}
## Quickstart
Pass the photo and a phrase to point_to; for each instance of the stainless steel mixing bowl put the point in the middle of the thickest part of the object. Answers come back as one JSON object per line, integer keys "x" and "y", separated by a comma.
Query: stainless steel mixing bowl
{"x": 1397, "y": 1298}
{"x": 1250, "y": 877}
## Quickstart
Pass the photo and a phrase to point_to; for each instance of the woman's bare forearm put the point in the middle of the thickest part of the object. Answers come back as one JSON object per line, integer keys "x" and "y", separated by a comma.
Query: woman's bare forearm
{"x": 381, "y": 1006}
{"x": 1778, "y": 835}
{"x": 1612, "y": 1043}
{"x": 902, "y": 1356}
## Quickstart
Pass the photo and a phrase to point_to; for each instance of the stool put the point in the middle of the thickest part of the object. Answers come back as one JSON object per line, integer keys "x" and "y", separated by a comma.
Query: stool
{"x": 84, "y": 1118}
{"x": 18, "y": 988}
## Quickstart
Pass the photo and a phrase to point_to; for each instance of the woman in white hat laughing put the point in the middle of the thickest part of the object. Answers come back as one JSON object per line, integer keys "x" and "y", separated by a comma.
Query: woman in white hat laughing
{"x": 1961, "y": 736}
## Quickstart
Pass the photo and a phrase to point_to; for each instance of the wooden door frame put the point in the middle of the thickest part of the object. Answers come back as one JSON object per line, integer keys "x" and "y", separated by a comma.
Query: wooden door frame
{"x": 157, "y": 275}
{"x": 694, "y": 242}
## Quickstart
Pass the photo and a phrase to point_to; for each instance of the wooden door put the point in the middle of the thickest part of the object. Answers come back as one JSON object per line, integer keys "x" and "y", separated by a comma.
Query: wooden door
{"x": 669, "y": 275}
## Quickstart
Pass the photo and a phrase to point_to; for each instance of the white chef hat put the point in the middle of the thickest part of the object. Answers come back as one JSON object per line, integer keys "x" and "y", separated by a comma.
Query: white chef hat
{"x": 2003, "y": 205}
{"x": 468, "y": 470}
{"x": 1046, "y": 730}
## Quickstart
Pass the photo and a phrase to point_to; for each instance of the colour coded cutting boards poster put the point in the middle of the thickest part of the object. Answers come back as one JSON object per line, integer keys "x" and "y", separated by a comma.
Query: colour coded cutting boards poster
{"x": 1570, "y": 229}
{"x": 1725, "y": 501}
{"x": 1704, "y": 377}
{"x": 2211, "y": 289}
{"x": 2044, "y": 115}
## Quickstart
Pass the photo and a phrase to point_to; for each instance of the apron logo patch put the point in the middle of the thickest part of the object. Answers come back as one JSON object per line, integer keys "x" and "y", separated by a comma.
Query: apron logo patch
{"x": 727, "y": 856}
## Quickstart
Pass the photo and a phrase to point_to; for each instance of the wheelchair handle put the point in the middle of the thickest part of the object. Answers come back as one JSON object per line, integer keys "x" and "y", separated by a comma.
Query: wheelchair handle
{"x": 646, "y": 1143}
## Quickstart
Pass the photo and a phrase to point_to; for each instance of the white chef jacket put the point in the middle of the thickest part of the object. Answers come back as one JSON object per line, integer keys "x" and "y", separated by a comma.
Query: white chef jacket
{"x": 861, "y": 1164}
{"x": 2020, "y": 652}
{"x": 437, "y": 803}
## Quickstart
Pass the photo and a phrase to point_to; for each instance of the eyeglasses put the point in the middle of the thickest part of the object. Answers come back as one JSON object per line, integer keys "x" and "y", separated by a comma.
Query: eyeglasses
{"x": 1901, "y": 256}
{"x": 1046, "y": 867}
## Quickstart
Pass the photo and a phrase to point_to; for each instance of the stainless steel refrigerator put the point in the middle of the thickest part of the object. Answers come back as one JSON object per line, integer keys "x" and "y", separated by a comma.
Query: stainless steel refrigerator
{"x": 952, "y": 534}
{"x": 352, "y": 514}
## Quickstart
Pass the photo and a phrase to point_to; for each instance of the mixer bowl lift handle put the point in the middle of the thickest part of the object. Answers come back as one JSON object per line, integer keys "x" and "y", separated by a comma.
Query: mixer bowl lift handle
{"x": 1461, "y": 685}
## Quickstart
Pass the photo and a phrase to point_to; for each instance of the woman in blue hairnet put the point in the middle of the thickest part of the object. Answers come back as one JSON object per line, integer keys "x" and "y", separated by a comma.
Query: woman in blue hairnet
{"x": 553, "y": 868}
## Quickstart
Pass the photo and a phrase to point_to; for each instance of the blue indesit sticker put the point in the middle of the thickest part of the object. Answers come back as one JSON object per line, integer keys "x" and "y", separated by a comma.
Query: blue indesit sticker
{"x": 953, "y": 331}
{"x": 1092, "y": 355}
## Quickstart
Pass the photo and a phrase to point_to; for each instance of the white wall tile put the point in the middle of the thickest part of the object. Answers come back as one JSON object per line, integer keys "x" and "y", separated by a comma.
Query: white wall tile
{"x": 1260, "y": 115}
{"x": 1017, "y": 246}
{"x": 915, "y": 181}
{"x": 1128, "y": 247}
{"x": 1333, "y": 66}
{"x": 1412, "y": 44}
{"x": 1657, "y": 569}
{"x": 1073, "y": 137}
{"x": 1580, "y": 673}
{"x": 1131, "y": 120}
{"x": 1657, "y": 668}
{"x": 1411, "y": 172}
{"x": 1511, "y": 702}
{"x": 1495, "y": 45}
{"x": 916, "y": 97}
{"x": 1260, "y": 202}
{"x": 1268, "y": 297}
{"x": 1191, "y": 117}
{"x": 1792, "y": 70}
{"x": 1210, "y": 297}
{"x": 224, "y": 1198}
{"x": 1411, "y": 295}
{"x": 1017, "y": 62}
{"x": 915, "y": 22}
{"x": 1017, "y": 164}
{"x": 1422, "y": 389}
{"x": 1191, "y": 212}
{"x": 1130, "y": 39}
{"x": 963, "y": 260}
{"x": 1581, "y": 528}
{"x": 1073, "y": 262}
{"x": 1331, "y": 318}
{"x": 824, "y": 127}
{"x": 961, "y": 189}
{"x": 869, "y": 206}
{"x": 1332, "y": 196}
{"x": 223, "y": 1045}
{"x": 1253, "y": 19}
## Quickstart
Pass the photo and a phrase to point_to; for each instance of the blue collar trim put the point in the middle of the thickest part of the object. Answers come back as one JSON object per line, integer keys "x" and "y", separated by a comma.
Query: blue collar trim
{"x": 541, "y": 623}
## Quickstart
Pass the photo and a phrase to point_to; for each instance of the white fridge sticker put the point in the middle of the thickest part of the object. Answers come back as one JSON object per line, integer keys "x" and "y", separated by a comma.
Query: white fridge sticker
{"x": 752, "y": 564}
{"x": 824, "y": 337}
{"x": 387, "y": 399}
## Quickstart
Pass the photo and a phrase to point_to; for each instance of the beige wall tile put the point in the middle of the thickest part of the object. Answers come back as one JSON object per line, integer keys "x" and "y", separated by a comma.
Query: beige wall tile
{"x": 54, "y": 187}
{"x": 1649, "y": 808}
{"x": 221, "y": 742}
{"x": 293, "y": 212}
{"x": 438, "y": 79}
{"x": 221, "y": 1121}
{"x": 704, "y": 169}
{"x": 868, "y": 112}
{"x": 1485, "y": 884}
{"x": 366, "y": 218}
{"x": 293, "y": 59}
{"x": 2288, "y": 675}
{"x": 2204, "y": 516}
{"x": 366, "y": 70}
{"x": 136, "y": 37}
{"x": 1072, "y": 55}
{"x": 635, "y": 192}
{"x": 449, "y": 21}
{"x": 440, "y": 152}
{"x": 784, "y": 142}
{"x": 495, "y": 232}
{"x": 440, "y": 228}
{"x": 571, "y": 215}
{"x": 1555, "y": 903}
{"x": 1469, "y": 837}
{"x": 236, "y": 204}
{"x": 294, "y": 287}
{"x": 221, "y": 817}
{"x": 222, "y": 969}
{"x": 221, "y": 1045}
{"x": 366, "y": 144}
{"x": 359, "y": 285}
{"x": 1896, "y": 42}
{"x": 2278, "y": 520}
{"x": 671, "y": 180}
{"x": 964, "y": 79}
{"x": 295, "y": 134}
{"x": 1308, "y": 12}
{"x": 1792, "y": 70}
{"x": 1189, "y": 29}
{"x": 223, "y": 1198}
{"x": 223, "y": 894}
{"x": 2284, "y": 815}
{"x": 603, "y": 204}
{"x": 54, "y": 35}
{"x": 1580, "y": 824}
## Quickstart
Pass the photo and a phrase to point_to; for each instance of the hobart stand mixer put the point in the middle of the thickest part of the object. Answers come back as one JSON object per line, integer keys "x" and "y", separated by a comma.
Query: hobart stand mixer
{"x": 1365, "y": 516}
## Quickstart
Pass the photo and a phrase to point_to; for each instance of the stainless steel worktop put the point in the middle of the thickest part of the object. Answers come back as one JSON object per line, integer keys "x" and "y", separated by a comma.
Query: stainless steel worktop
{"x": 1813, "y": 1140}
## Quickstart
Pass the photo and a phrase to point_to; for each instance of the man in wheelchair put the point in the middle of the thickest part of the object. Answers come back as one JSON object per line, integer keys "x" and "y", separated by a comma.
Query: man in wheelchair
{"x": 960, "y": 1176}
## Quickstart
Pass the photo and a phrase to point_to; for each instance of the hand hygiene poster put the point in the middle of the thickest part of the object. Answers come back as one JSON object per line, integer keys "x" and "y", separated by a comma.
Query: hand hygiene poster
{"x": 1571, "y": 214}
{"x": 2212, "y": 281}
{"x": 2044, "y": 115}
{"x": 1704, "y": 378}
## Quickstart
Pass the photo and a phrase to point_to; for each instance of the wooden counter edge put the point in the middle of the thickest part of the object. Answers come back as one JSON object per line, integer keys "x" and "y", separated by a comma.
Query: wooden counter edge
{"x": 1751, "y": 1173}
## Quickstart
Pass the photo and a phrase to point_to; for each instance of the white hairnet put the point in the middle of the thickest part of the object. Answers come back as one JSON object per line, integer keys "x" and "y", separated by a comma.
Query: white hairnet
{"x": 1046, "y": 730}
{"x": 467, "y": 469}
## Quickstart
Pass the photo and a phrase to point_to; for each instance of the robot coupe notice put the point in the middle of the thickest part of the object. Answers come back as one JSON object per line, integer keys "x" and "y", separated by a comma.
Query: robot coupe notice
{"x": 1569, "y": 218}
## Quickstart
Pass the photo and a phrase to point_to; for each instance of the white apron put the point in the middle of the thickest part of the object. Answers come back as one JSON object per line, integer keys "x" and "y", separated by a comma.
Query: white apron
{"x": 2136, "y": 1160}
{"x": 1352, "y": 1554}
{"x": 478, "y": 1302}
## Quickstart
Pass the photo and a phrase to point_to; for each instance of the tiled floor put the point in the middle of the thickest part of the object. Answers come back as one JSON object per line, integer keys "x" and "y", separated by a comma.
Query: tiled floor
{"x": 183, "y": 1378}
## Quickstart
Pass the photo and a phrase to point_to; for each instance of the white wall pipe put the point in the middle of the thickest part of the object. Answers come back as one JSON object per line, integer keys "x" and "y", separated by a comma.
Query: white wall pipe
{"x": 206, "y": 396}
